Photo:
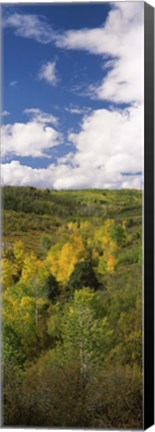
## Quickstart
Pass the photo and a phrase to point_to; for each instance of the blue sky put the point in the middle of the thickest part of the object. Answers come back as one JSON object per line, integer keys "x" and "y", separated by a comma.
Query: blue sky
{"x": 73, "y": 95}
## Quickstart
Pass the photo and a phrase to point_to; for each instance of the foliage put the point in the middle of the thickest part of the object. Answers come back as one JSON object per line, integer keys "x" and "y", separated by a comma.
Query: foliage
{"x": 72, "y": 303}
{"x": 82, "y": 276}
{"x": 55, "y": 396}
{"x": 45, "y": 244}
{"x": 50, "y": 287}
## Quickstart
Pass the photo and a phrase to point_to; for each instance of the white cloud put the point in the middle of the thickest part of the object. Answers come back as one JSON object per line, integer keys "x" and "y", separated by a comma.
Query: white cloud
{"x": 110, "y": 143}
{"x": 13, "y": 83}
{"x": 48, "y": 73}
{"x": 77, "y": 110}
{"x": 5, "y": 113}
{"x": 107, "y": 148}
{"x": 122, "y": 38}
{"x": 107, "y": 136}
{"x": 41, "y": 116}
{"x": 14, "y": 173}
{"x": 74, "y": 110}
{"x": 33, "y": 138}
{"x": 30, "y": 26}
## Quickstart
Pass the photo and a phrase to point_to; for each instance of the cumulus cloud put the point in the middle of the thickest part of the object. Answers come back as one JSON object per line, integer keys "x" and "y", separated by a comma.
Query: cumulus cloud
{"x": 48, "y": 73}
{"x": 41, "y": 116}
{"x": 109, "y": 145}
{"x": 64, "y": 177}
{"x": 110, "y": 139}
{"x": 14, "y": 173}
{"x": 107, "y": 148}
{"x": 33, "y": 138}
{"x": 121, "y": 38}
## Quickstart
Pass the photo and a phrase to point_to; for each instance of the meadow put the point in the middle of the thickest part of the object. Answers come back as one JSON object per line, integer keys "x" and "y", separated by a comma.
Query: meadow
{"x": 72, "y": 308}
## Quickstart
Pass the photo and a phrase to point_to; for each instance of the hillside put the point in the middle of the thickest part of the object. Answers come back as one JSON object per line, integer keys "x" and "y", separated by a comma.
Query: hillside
{"x": 72, "y": 307}
{"x": 30, "y": 212}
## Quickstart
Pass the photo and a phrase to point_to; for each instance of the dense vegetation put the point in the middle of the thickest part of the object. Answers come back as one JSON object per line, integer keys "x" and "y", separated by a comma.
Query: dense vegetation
{"x": 72, "y": 308}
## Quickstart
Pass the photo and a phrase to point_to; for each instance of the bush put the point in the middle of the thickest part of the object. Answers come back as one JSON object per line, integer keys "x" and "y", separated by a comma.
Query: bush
{"x": 117, "y": 234}
{"x": 130, "y": 256}
{"x": 45, "y": 244}
{"x": 64, "y": 397}
{"x": 129, "y": 223}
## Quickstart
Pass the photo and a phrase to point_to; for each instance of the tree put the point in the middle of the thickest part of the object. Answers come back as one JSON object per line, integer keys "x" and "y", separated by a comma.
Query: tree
{"x": 61, "y": 259}
{"x": 9, "y": 273}
{"x": 30, "y": 268}
{"x": 45, "y": 244}
{"x": 19, "y": 320}
{"x": 85, "y": 337}
{"x": 19, "y": 253}
{"x": 82, "y": 276}
{"x": 107, "y": 247}
{"x": 50, "y": 287}
{"x": 118, "y": 234}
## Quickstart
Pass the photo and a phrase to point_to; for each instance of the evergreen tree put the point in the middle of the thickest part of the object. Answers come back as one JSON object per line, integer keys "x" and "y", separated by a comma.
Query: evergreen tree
{"x": 83, "y": 276}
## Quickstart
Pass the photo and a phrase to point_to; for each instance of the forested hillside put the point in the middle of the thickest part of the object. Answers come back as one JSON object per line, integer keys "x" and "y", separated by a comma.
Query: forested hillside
{"x": 72, "y": 308}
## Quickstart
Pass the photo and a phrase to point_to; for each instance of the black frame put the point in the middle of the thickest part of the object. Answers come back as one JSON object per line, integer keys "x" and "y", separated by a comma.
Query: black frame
{"x": 148, "y": 216}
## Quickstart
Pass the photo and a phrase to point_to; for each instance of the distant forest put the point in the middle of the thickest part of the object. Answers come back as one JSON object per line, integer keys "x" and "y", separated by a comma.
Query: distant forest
{"x": 72, "y": 308}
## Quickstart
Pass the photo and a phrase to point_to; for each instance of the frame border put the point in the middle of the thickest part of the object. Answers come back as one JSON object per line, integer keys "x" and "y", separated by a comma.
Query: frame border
{"x": 148, "y": 216}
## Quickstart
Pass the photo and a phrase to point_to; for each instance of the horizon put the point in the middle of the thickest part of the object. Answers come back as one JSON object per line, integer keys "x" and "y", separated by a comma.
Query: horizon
{"x": 75, "y": 190}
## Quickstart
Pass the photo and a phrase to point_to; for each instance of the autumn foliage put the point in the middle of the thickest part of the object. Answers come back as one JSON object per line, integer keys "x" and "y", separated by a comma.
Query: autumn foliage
{"x": 72, "y": 308}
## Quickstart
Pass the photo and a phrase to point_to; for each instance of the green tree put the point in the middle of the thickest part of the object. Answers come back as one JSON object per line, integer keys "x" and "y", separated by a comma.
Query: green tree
{"x": 118, "y": 234}
{"x": 85, "y": 336}
{"x": 82, "y": 276}
{"x": 50, "y": 287}
{"x": 45, "y": 244}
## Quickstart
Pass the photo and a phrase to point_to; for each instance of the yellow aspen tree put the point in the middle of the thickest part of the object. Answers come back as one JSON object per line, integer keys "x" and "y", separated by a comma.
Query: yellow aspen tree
{"x": 9, "y": 271}
{"x": 19, "y": 253}
{"x": 61, "y": 262}
{"x": 31, "y": 266}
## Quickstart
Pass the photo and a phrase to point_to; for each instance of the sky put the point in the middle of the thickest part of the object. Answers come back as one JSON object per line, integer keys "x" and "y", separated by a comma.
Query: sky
{"x": 73, "y": 95}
